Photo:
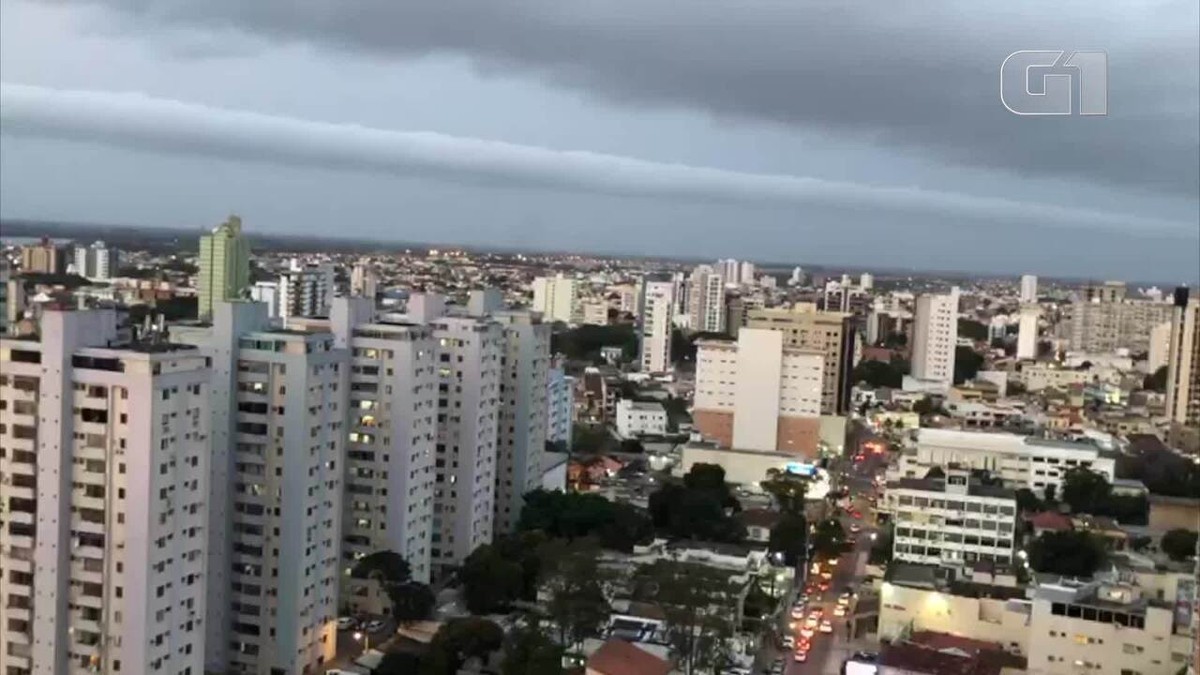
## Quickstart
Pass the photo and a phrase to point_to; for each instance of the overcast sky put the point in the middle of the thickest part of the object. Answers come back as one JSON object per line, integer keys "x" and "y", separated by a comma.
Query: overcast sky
{"x": 840, "y": 133}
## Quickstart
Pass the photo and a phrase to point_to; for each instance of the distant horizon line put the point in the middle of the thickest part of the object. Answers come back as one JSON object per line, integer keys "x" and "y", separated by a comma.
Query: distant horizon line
{"x": 370, "y": 242}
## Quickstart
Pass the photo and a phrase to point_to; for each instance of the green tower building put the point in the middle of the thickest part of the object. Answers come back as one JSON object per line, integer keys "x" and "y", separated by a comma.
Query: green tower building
{"x": 224, "y": 265}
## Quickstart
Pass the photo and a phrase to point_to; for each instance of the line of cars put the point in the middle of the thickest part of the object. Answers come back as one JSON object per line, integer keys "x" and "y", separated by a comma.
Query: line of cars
{"x": 368, "y": 625}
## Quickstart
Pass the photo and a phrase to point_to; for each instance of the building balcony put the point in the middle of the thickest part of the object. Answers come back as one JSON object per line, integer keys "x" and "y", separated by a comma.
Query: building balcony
{"x": 84, "y": 502}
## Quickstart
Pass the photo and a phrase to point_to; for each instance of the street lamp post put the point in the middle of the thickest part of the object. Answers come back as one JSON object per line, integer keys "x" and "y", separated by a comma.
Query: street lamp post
{"x": 362, "y": 637}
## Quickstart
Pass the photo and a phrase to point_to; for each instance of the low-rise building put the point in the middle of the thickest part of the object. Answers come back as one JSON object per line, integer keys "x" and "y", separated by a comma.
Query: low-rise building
{"x": 640, "y": 418}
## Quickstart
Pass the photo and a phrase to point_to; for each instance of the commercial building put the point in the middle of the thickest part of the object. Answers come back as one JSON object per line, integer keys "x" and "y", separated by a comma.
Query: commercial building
{"x": 556, "y": 298}
{"x": 44, "y": 257}
{"x": 756, "y": 393}
{"x": 1027, "y": 332}
{"x": 935, "y": 337}
{"x": 706, "y": 299}
{"x": 640, "y": 418}
{"x": 594, "y": 313}
{"x": 106, "y": 485}
{"x": 1183, "y": 367}
{"x": 831, "y": 333}
{"x": 1110, "y": 628}
{"x": 1029, "y": 289}
{"x": 224, "y": 265}
{"x": 1039, "y": 376}
{"x": 952, "y": 521}
{"x": 560, "y": 406}
{"x": 655, "y": 314}
{"x": 1159, "y": 353}
{"x": 1019, "y": 461}
{"x": 391, "y": 445}
{"x": 521, "y": 432}
{"x": 278, "y": 454}
{"x": 97, "y": 262}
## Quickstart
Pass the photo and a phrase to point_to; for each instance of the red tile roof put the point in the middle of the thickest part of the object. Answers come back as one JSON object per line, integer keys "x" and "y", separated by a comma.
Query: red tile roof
{"x": 618, "y": 657}
{"x": 1050, "y": 520}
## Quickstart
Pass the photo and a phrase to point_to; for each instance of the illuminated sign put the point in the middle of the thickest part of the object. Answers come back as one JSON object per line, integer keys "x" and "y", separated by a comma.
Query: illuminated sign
{"x": 802, "y": 468}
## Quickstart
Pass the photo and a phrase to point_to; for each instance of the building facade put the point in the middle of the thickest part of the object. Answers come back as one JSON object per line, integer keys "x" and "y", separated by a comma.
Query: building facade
{"x": 1027, "y": 332}
{"x": 1029, "y": 289}
{"x": 305, "y": 290}
{"x": 560, "y": 406}
{"x": 637, "y": 418}
{"x": 952, "y": 521}
{"x": 655, "y": 313}
{"x": 106, "y": 481}
{"x": 96, "y": 262}
{"x": 1102, "y": 325}
{"x": 758, "y": 394}
{"x": 44, "y": 257}
{"x": 707, "y": 300}
{"x": 224, "y": 265}
{"x": 935, "y": 337}
{"x": 1183, "y": 366}
{"x": 831, "y": 333}
{"x": 556, "y": 298}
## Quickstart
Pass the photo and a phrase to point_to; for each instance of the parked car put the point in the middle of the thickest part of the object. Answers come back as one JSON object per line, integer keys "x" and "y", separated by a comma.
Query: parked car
{"x": 347, "y": 623}
{"x": 375, "y": 625}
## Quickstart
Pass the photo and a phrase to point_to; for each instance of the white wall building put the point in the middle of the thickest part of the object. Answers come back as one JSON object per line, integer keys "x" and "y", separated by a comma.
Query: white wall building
{"x": 655, "y": 314}
{"x": 556, "y": 298}
{"x": 267, "y": 292}
{"x": 1027, "y": 332}
{"x": 935, "y": 336}
{"x": 469, "y": 353}
{"x": 757, "y": 394}
{"x": 729, "y": 270}
{"x": 1019, "y": 461}
{"x": 105, "y": 487}
{"x": 1160, "y": 347}
{"x": 391, "y": 445}
{"x": 560, "y": 406}
{"x": 707, "y": 300}
{"x": 97, "y": 262}
{"x": 305, "y": 291}
{"x": 521, "y": 437}
{"x": 746, "y": 273}
{"x": 952, "y": 522}
{"x": 638, "y": 418}
{"x": 278, "y": 453}
{"x": 1029, "y": 289}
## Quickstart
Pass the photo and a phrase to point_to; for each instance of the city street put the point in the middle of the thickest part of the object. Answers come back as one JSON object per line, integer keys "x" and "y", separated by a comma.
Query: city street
{"x": 829, "y": 650}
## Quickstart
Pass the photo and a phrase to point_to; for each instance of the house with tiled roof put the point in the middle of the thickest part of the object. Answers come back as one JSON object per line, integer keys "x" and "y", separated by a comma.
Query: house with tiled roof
{"x": 618, "y": 657}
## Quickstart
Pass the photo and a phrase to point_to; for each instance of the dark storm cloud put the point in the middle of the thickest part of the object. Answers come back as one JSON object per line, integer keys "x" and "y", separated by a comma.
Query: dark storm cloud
{"x": 919, "y": 76}
{"x": 140, "y": 122}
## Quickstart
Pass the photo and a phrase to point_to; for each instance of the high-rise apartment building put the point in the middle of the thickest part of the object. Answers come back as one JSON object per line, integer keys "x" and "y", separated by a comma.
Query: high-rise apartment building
{"x": 1029, "y": 289}
{"x": 363, "y": 281}
{"x": 305, "y": 290}
{"x": 469, "y": 353}
{"x": 729, "y": 270}
{"x": 1101, "y": 326}
{"x": 746, "y": 273}
{"x": 560, "y": 406}
{"x": 556, "y": 298}
{"x": 656, "y": 314}
{"x": 44, "y": 257}
{"x": 1183, "y": 365}
{"x": 935, "y": 337}
{"x": 707, "y": 300}
{"x": 278, "y": 453}
{"x": 1109, "y": 291}
{"x": 106, "y": 487}
{"x": 391, "y": 446}
{"x": 521, "y": 432}
{"x": 831, "y": 333}
{"x": 1159, "y": 353}
{"x": 224, "y": 265}
{"x": 1027, "y": 332}
{"x": 98, "y": 261}
{"x": 756, "y": 393}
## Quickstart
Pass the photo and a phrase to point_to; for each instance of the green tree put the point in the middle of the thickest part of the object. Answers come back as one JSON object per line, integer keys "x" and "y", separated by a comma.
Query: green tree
{"x": 1027, "y": 500}
{"x": 879, "y": 374}
{"x": 788, "y": 490}
{"x": 398, "y": 663}
{"x": 1085, "y": 490}
{"x": 789, "y": 537}
{"x": 972, "y": 329}
{"x": 1179, "y": 544}
{"x": 925, "y": 406}
{"x": 491, "y": 581}
{"x": 529, "y": 651}
{"x": 571, "y": 515}
{"x": 1156, "y": 381}
{"x": 571, "y": 575}
{"x": 410, "y": 600}
{"x": 967, "y": 363}
{"x": 700, "y": 606}
{"x": 1049, "y": 493}
{"x": 459, "y": 640}
{"x": 1073, "y": 553}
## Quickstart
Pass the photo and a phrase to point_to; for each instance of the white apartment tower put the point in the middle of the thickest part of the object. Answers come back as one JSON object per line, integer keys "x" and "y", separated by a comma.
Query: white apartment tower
{"x": 305, "y": 291}
{"x": 1027, "y": 332}
{"x": 935, "y": 336}
{"x": 469, "y": 353}
{"x": 364, "y": 282}
{"x": 105, "y": 486}
{"x": 1029, "y": 289}
{"x": 521, "y": 432}
{"x": 278, "y": 452}
{"x": 556, "y": 298}
{"x": 707, "y": 300}
{"x": 392, "y": 431}
{"x": 1183, "y": 365}
{"x": 656, "y": 314}
{"x": 98, "y": 261}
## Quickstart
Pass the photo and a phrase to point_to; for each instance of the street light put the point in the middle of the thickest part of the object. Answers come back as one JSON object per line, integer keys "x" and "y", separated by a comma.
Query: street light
{"x": 362, "y": 637}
